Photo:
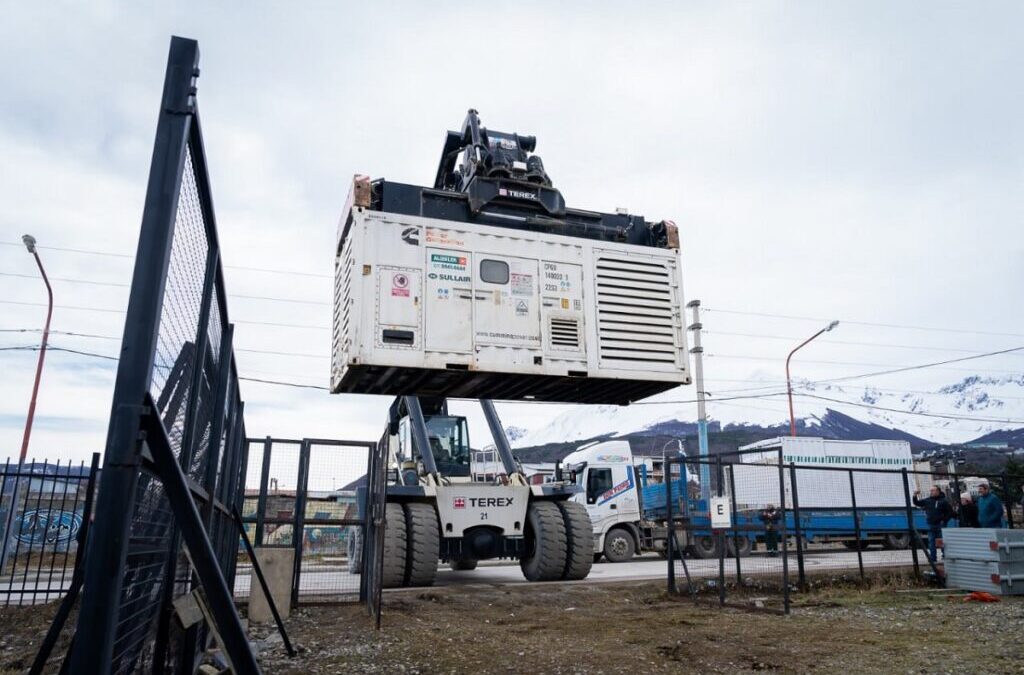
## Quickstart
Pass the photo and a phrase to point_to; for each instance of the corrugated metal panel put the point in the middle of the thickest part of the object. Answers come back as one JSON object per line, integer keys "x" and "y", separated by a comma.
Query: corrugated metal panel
{"x": 973, "y": 564}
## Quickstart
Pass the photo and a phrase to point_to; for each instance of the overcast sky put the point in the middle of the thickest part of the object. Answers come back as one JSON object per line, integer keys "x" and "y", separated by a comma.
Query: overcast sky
{"x": 859, "y": 161}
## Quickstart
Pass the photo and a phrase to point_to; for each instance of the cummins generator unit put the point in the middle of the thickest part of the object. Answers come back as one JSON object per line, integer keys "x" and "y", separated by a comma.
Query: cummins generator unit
{"x": 487, "y": 286}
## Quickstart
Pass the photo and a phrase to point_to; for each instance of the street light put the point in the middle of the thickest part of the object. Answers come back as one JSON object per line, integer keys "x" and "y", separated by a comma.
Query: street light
{"x": 30, "y": 244}
{"x": 789, "y": 385}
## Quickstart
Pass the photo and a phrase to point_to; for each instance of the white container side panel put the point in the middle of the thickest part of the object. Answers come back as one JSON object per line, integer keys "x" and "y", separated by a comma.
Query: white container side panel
{"x": 820, "y": 487}
{"x": 421, "y": 293}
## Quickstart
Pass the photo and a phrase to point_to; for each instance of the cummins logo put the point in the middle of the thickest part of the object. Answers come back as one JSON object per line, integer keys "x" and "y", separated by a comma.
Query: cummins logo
{"x": 411, "y": 235}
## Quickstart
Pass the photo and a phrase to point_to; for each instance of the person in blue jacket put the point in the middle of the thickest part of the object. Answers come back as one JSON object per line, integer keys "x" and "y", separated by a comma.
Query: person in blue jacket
{"x": 990, "y": 509}
{"x": 938, "y": 513}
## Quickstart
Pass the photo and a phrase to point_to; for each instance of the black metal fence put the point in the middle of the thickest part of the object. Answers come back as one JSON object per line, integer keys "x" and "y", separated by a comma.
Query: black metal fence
{"x": 751, "y": 527}
{"x": 310, "y": 496}
{"x": 163, "y": 547}
{"x": 44, "y": 510}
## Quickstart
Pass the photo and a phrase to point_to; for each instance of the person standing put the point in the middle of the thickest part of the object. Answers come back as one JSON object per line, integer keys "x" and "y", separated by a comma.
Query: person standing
{"x": 937, "y": 512}
{"x": 968, "y": 511}
{"x": 770, "y": 517}
{"x": 990, "y": 509}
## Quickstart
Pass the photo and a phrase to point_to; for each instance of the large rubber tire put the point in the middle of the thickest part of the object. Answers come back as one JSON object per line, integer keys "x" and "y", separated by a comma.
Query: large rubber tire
{"x": 896, "y": 542}
{"x": 424, "y": 544}
{"x": 462, "y": 564}
{"x": 545, "y": 543}
{"x": 740, "y": 544}
{"x": 705, "y": 547}
{"x": 354, "y": 550}
{"x": 619, "y": 545}
{"x": 393, "y": 568}
{"x": 579, "y": 541}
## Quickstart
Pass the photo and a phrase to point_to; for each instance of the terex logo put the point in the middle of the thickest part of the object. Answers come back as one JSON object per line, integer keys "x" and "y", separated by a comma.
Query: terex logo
{"x": 459, "y": 503}
{"x": 490, "y": 502}
{"x": 516, "y": 194}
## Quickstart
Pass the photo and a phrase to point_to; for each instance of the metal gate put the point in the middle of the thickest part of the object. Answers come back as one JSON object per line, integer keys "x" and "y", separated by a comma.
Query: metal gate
{"x": 312, "y": 496}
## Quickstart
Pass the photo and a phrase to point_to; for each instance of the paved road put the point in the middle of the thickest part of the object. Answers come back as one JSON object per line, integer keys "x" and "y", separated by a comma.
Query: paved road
{"x": 332, "y": 579}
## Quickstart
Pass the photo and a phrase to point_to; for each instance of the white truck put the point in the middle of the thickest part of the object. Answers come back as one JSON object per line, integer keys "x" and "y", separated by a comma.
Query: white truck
{"x": 611, "y": 494}
{"x": 625, "y": 523}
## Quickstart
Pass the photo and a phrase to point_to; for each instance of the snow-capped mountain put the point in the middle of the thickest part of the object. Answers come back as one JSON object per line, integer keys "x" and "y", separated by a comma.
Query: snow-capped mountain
{"x": 956, "y": 413}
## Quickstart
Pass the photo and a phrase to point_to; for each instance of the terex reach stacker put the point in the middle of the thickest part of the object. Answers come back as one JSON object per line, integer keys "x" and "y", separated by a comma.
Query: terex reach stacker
{"x": 487, "y": 286}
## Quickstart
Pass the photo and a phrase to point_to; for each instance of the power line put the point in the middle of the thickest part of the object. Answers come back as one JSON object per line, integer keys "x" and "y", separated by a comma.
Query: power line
{"x": 293, "y": 301}
{"x": 121, "y": 311}
{"x": 894, "y": 369}
{"x": 285, "y": 384}
{"x": 863, "y": 323}
{"x": 110, "y": 254}
{"x": 844, "y": 342}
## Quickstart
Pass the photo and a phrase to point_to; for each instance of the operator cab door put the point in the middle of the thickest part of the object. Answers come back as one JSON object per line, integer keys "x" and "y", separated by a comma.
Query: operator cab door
{"x": 506, "y": 299}
{"x": 449, "y": 299}
{"x": 610, "y": 495}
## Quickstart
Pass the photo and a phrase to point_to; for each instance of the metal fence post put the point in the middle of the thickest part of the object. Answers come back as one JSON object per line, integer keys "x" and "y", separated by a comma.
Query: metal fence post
{"x": 299, "y": 528}
{"x": 735, "y": 524}
{"x": 261, "y": 504}
{"x": 93, "y": 646}
{"x": 798, "y": 527}
{"x": 721, "y": 539}
{"x": 856, "y": 525}
{"x": 911, "y": 528}
{"x": 669, "y": 548}
{"x": 785, "y": 535}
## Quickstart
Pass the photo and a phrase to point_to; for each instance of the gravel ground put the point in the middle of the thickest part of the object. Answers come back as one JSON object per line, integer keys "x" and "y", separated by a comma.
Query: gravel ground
{"x": 638, "y": 628}
{"x": 605, "y": 629}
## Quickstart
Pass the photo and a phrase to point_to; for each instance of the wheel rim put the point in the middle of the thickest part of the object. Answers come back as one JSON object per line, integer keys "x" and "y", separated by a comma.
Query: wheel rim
{"x": 619, "y": 545}
{"x": 706, "y": 544}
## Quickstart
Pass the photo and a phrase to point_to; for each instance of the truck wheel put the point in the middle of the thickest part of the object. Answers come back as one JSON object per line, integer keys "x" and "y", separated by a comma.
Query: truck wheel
{"x": 354, "y": 549}
{"x": 579, "y": 541}
{"x": 705, "y": 547}
{"x": 739, "y": 545}
{"x": 424, "y": 544}
{"x": 896, "y": 542}
{"x": 618, "y": 545}
{"x": 462, "y": 564}
{"x": 393, "y": 568}
{"x": 545, "y": 542}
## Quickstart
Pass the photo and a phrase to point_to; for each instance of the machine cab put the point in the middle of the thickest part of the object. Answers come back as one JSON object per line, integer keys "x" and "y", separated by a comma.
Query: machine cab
{"x": 448, "y": 436}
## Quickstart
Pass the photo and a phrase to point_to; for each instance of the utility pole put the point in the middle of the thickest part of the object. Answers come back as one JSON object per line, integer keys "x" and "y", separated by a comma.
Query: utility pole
{"x": 30, "y": 244}
{"x": 702, "y": 414}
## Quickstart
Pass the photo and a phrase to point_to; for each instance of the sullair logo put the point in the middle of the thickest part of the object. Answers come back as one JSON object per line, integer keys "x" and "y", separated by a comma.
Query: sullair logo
{"x": 517, "y": 194}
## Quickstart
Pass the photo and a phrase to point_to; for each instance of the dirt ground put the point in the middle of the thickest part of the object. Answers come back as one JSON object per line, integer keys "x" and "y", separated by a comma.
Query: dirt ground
{"x": 634, "y": 627}
{"x": 639, "y": 628}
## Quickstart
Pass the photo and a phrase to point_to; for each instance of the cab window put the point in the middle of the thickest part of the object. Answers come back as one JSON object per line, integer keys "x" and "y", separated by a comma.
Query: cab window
{"x": 599, "y": 481}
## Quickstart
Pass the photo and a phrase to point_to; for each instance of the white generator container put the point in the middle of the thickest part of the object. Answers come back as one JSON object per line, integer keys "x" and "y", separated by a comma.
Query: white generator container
{"x": 818, "y": 488}
{"x": 433, "y": 307}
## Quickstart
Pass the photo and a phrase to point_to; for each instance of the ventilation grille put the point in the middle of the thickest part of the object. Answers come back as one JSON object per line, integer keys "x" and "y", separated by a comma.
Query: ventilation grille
{"x": 565, "y": 333}
{"x": 637, "y": 320}
{"x": 343, "y": 300}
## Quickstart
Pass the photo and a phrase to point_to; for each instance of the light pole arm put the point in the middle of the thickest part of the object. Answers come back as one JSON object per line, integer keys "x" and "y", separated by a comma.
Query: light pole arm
{"x": 789, "y": 385}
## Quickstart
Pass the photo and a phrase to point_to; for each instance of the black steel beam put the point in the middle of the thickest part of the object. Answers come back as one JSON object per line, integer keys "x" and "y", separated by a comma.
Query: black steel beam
{"x": 97, "y": 623}
{"x": 204, "y": 560}
{"x": 498, "y": 434}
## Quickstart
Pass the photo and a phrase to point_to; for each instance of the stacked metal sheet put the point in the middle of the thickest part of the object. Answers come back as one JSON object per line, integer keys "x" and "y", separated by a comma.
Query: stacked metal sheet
{"x": 984, "y": 559}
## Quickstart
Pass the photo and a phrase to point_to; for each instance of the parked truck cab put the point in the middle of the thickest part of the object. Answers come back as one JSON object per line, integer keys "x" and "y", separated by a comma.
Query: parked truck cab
{"x": 605, "y": 471}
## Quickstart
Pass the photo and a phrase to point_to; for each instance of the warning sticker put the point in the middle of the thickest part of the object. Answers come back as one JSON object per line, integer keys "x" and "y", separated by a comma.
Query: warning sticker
{"x": 522, "y": 284}
{"x": 522, "y": 308}
{"x": 400, "y": 285}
